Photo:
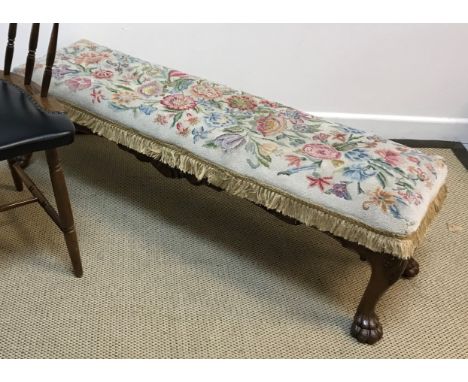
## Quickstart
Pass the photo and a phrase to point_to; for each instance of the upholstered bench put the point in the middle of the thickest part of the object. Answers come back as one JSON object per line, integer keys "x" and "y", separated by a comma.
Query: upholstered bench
{"x": 373, "y": 195}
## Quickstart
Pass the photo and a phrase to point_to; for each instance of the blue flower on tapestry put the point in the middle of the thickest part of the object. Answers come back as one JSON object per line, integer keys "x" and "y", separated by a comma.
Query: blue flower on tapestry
{"x": 147, "y": 109}
{"x": 123, "y": 59}
{"x": 207, "y": 105}
{"x": 395, "y": 211}
{"x": 219, "y": 120}
{"x": 356, "y": 154}
{"x": 358, "y": 172}
{"x": 296, "y": 116}
{"x": 348, "y": 129}
{"x": 302, "y": 128}
{"x": 116, "y": 107}
{"x": 199, "y": 133}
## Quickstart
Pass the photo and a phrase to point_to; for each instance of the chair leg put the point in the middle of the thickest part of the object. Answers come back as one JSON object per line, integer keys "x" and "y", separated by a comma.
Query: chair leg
{"x": 64, "y": 209}
{"x": 386, "y": 270}
{"x": 16, "y": 179}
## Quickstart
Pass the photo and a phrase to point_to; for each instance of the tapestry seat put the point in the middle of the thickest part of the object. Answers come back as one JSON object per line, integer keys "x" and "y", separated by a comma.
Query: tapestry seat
{"x": 355, "y": 185}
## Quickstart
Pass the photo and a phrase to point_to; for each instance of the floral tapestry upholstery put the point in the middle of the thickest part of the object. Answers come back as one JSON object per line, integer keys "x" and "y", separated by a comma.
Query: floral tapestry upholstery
{"x": 373, "y": 181}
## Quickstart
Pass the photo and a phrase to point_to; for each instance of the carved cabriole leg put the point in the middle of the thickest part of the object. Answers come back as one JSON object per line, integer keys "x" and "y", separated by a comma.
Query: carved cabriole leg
{"x": 64, "y": 210}
{"x": 411, "y": 270}
{"x": 386, "y": 270}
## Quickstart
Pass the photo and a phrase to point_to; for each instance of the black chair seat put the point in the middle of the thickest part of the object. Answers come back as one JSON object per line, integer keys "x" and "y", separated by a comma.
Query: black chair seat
{"x": 25, "y": 127}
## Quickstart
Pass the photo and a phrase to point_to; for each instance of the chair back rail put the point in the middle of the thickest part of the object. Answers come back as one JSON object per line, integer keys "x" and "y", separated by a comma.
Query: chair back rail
{"x": 31, "y": 57}
{"x": 10, "y": 47}
{"x": 49, "y": 60}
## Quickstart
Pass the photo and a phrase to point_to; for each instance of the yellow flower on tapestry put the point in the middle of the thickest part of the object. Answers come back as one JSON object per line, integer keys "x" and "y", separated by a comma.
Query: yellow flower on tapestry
{"x": 152, "y": 71}
{"x": 124, "y": 98}
{"x": 380, "y": 198}
{"x": 150, "y": 89}
{"x": 206, "y": 91}
{"x": 267, "y": 148}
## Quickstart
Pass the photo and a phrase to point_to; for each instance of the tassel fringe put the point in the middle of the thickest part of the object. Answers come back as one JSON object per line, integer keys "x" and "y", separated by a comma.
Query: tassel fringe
{"x": 250, "y": 189}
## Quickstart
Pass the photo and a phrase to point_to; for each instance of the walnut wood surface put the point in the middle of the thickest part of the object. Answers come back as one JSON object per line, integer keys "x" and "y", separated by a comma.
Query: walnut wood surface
{"x": 47, "y": 103}
{"x": 386, "y": 270}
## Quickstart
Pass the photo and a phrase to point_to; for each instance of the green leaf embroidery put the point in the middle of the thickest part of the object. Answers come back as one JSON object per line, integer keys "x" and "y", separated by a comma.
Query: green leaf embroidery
{"x": 263, "y": 161}
{"x": 124, "y": 88}
{"x": 382, "y": 179}
{"x": 210, "y": 145}
{"x": 234, "y": 129}
{"x": 177, "y": 117}
{"x": 181, "y": 84}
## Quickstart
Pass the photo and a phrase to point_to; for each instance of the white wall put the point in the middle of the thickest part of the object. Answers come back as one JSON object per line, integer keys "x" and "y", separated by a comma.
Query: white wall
{"x": 385, "y": 71}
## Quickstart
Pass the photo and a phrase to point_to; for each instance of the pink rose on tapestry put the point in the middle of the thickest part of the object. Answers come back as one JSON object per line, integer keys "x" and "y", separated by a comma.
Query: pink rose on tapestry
{"x": 87, "y": 58}
{"x": 78, "y": 83}
{"x": 320, "y": 151}
{"x": 176, "y": 73}
{"x": 103, "y": 73}
{"x": 390, "y": 157}
{"x": 178, "y": 102}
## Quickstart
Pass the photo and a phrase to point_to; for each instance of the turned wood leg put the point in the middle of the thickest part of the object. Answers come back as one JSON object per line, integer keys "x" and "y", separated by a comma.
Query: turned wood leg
{"x": 386, "y": 270}
{"x": 411, "y": 270}
{"x": 24, "y": 160}
{"x": 16, "y": 178}
{"x": 64, "y": 210}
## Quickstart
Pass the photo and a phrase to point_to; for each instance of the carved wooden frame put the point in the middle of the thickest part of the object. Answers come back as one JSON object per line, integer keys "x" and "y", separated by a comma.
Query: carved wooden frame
{"x": 386, "y": 268}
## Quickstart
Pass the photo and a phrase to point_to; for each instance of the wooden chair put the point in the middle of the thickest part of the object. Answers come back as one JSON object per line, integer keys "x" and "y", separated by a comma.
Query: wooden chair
{"x": 30, "y": 121}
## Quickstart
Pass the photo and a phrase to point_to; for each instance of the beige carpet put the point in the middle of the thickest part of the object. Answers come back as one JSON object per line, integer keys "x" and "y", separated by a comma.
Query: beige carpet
{"x": 177, "y": 271}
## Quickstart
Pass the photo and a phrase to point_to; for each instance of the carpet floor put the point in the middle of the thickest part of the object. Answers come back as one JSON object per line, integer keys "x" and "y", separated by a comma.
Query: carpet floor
{"x": 178, "y": 271}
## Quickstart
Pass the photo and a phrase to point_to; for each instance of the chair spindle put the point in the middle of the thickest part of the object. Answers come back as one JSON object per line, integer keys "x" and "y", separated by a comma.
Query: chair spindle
{"x": 10, "y": 47}
{"x": 49, "y": 61}
{"x": 30, "y": 60}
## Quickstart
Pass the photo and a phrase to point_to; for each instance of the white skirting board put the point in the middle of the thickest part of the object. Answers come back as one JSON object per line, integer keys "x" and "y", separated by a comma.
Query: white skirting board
{"x": 404, "y": 127}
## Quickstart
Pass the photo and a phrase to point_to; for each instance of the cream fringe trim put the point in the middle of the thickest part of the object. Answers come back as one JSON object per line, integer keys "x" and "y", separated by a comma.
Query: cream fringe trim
{"x": 250, "y": 189}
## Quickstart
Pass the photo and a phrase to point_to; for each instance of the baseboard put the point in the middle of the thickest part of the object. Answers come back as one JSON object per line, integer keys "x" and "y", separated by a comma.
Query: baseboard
{"x": 403, "y": 126}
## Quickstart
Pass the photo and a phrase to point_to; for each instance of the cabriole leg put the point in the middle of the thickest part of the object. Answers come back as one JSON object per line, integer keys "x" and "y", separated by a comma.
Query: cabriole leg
{"x": 386, "y": 270}
{"x": 411, "y": 270}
